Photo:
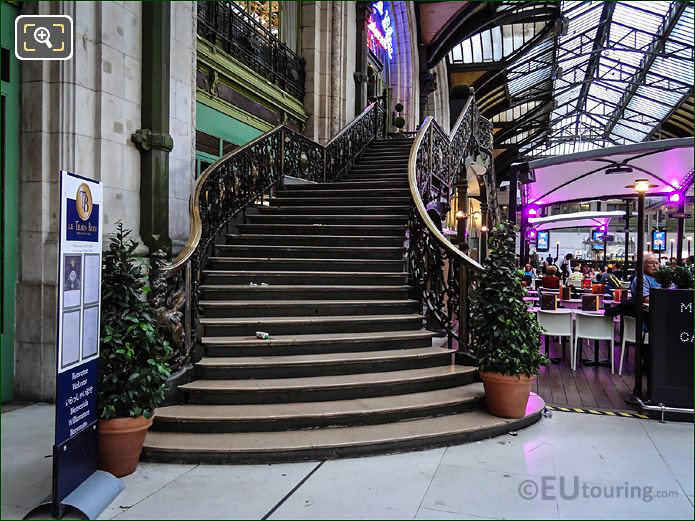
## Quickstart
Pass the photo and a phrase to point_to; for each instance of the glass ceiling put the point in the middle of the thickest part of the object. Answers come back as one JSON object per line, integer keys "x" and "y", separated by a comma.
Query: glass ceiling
{"x": 615, "y": 71}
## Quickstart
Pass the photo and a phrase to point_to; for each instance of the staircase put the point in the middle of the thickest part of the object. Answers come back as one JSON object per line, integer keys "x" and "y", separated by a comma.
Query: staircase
{"x": 348, "y": 369}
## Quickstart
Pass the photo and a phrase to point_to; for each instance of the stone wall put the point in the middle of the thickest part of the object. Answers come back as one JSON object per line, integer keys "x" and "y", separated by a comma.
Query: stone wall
{"x": 404, "y": 66}
{"x": 329, "y": 47}
{"x": 78, "y": 115}
{"x": 182, "y": 119}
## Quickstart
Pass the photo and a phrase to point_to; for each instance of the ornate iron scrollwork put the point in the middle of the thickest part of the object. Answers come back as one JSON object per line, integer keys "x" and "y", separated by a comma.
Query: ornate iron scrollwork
{"x": 443, "y": 275}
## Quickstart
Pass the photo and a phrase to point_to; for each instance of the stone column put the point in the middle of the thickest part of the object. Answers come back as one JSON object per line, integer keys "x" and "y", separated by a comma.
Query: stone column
{"x": 360, "y": 74}
{"x": 336, "y": 62}
{"x": 153, "y": 139}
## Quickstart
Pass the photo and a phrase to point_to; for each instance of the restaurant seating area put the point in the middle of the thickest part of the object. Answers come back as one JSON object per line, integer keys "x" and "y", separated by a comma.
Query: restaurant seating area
{"x": 579, "y": 344}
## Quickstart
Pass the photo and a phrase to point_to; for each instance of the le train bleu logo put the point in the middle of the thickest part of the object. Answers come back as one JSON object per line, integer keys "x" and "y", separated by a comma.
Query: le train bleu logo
{"x": 83, "y": 216}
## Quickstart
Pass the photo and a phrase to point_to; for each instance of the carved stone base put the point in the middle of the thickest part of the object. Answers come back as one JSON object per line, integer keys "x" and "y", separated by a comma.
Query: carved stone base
{"x": 172, "y": 395}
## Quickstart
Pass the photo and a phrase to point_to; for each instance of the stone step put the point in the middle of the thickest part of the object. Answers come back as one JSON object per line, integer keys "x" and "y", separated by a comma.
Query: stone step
{"x": 398, "y": 161}
{"x": 310, "y": 252}
{"x": 350, "y": 185}
{"x": 324, "y": 229}
{"x": 285, "y": 264}
{"x": 336, "y": 210}
{"x": 364, "y": 175}
{"x": 304, "y": 292}
{"x": 308, "y": 324}
{"x": 348, "y": 193}
{"x": 327, "y": 388}
{"x": 316, "y": 343}
{"x": 378, "y": 146}
{"x": 259, "y": 276}
{"x": 315, "y": 240}
{"x": 345, "y": 219}
{"x": 379, "y": 169}
{"x": 304, "y": 415}
{"x": 340, "y": 442}
{"x": 363, "y": 200}
{"x": 322, "y": 364}
{"x": 292, "y": 308}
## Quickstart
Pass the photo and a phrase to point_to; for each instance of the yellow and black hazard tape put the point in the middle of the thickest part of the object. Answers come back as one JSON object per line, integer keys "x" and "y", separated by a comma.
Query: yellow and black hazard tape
{"x": 598, "y": 412}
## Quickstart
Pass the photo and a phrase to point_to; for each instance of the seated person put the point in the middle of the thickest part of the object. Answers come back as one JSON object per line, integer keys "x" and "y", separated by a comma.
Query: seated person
{"x": 551, "y": 281}
{"x": 529, "y": 271}
{"x": 649, "y": 267}
{"x": 576, "y": 277}
{"x": 528, "y": 275}
{"x": 609, "y": 279}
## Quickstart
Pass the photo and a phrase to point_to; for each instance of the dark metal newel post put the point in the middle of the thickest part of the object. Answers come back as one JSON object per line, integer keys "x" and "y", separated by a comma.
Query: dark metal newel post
{"x": 639, "y": 293}
{"x": 680, "y": 222}
{"x": 153, "y": 139}
{"x": 463, "y": 307}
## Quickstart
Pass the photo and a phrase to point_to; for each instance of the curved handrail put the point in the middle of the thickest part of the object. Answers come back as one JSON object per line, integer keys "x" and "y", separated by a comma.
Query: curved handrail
{"x": 417, "y": 199}
{"x": 196, "y": 225}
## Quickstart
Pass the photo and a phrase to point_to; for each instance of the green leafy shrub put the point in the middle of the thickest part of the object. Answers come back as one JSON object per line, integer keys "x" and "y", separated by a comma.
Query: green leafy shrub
{"x": 505, "y": 336}
{"x": 664, "y": 276}
{"x": 134, "y": 354}
{"x": 679, "y": 276}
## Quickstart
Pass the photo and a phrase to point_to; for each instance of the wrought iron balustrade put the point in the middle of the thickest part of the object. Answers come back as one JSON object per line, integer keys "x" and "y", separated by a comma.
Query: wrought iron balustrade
{"x": 229, "y": 27}
{"x": 443, "y": 275}
{"x": 240, "y": 179}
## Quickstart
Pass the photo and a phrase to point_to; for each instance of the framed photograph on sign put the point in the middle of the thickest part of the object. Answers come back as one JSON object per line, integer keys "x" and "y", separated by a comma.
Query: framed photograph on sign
{"x": 72, "y": 281}
{"x": 543, "y": 241}
{"x": 70, "y": 353}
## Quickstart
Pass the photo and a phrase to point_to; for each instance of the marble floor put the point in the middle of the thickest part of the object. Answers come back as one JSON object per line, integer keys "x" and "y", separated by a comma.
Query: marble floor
{"x": 570, "y": 466}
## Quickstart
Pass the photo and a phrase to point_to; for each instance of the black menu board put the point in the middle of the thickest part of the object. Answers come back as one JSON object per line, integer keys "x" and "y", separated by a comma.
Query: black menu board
{"x": 670, "y": 349}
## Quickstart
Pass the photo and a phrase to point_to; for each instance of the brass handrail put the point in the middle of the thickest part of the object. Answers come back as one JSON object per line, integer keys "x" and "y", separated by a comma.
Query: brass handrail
{"x": 196, "y": 225}
{"x": 417, "y": 199}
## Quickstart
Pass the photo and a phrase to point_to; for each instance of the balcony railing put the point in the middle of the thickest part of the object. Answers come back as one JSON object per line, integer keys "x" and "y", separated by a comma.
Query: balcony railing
{"x": 230, "y": 28}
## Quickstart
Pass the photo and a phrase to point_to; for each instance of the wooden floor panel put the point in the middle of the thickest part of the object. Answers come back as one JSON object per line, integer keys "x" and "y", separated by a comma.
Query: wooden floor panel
{"x": 587, "y": 387}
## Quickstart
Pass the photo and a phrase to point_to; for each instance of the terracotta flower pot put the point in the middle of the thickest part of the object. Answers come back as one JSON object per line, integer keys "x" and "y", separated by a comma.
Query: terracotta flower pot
{"x": 120, "y": 444}
{"x": 506, "y": 396}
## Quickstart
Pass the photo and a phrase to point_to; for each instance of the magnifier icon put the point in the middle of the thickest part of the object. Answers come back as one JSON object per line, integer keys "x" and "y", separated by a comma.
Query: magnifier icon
{"x": 42, "y": 35}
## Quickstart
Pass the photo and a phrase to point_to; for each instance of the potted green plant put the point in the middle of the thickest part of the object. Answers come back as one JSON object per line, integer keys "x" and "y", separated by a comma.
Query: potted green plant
{"x": 133, "y": 357}
{"x": 505, "y": 336}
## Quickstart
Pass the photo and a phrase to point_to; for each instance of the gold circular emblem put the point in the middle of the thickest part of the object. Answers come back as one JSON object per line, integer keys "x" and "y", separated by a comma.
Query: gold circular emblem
{"x": 83, "y": 200}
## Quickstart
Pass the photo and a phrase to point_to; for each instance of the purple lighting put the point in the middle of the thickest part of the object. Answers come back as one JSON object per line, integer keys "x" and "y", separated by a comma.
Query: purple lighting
{"x": 532, "y": 210}
{"x": 674, "y": 198}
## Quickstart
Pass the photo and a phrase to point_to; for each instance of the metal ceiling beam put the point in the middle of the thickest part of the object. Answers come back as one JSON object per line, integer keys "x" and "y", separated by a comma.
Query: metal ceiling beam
{"x": 482, "y": 16}
{"x": 674, "y": 14}
{"x": 667, "y": 120}
{"x": 592, "y": 67}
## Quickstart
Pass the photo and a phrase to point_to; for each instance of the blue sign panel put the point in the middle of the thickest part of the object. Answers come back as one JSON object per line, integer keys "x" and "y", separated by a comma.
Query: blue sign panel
{"x": 658, "y": 241}
{"x": 597, "y": 236}
{"x": 76, "y": 400}
{"x": 543, "y": 241}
